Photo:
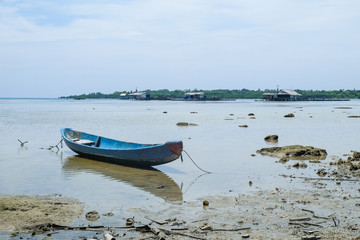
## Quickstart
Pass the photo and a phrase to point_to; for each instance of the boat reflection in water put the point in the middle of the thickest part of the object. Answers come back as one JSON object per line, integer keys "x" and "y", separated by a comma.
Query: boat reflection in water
{"x": 150, "y": 179}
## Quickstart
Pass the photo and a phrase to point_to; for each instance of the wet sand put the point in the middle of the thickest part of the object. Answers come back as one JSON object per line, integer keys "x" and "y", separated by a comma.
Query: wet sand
{"x": 27, "y": 213}
{"x": 330, "y": 210}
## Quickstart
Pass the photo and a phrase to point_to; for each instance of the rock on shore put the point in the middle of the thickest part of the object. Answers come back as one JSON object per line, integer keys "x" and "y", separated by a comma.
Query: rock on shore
{"x": 294, "y": 152}
{"x": 271, "y": 138}
{"x": 353, "y": 163}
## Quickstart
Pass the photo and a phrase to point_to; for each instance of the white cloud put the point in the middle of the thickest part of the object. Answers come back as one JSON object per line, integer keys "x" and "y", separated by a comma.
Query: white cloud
{"x": 192, "y": 41}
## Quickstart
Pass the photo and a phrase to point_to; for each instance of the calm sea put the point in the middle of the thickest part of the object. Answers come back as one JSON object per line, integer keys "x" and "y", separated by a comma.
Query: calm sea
{"x": 217, "y": 144}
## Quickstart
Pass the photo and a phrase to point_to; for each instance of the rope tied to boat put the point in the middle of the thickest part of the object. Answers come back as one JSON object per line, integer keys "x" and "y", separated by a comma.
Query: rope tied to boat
{"x": 56, "y": 146}
{"x": 193, "y": 162}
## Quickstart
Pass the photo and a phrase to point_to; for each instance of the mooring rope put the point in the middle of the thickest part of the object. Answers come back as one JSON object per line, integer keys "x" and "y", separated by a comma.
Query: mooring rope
{"x": 194, "y": 162}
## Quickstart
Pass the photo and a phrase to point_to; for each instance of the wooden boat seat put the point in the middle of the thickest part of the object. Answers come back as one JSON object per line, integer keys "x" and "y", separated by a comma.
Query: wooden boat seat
{"x": 84, "y": 142}
{"x": 97, "y": 143}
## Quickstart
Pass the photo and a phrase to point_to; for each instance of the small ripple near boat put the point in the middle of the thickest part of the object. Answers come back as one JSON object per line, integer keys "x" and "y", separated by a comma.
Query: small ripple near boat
{"x": 121, "y": 152}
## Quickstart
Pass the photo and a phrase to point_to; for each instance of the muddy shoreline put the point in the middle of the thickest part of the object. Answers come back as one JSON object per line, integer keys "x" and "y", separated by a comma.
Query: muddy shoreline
{"x": 329, "y": 208}
{"x": 328, "y": 211}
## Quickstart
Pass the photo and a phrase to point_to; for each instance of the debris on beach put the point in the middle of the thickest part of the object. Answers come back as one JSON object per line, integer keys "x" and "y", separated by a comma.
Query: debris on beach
{"x": 300, "y": 165}
{"x": 322, "y": 172}
{"x": 276, "y": 190}
{"x": 290, "y": 115}
{"x": 352, "y": 163}
{"x": 271, "y": 138}
{"x": 185, "y": 124}
{"x": 92, "y": 216}
{"x": 295, "y": 152}
{"x": 343, "y": 108}
{"x": 284, "y": 160}
{"x": 130, "y": 222}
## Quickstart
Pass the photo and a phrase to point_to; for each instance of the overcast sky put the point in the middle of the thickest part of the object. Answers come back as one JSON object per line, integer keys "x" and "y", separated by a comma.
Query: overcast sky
{"x": 59, "y": 48}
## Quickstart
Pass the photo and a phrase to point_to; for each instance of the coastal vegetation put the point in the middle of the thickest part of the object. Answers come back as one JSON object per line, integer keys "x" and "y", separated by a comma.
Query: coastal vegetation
{"x": 165, "y": 94}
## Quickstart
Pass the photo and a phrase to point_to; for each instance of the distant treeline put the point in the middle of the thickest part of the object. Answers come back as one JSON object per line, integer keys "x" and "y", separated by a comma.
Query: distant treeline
{"x": 165, "y": 94}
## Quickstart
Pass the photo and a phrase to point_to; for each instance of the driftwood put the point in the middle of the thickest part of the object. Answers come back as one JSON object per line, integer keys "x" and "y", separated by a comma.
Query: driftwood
{"x": 159, "y": 233}
{"x": 322, "y": 179}
{"x": 205, "y": 219}
{"x": 108, "y": 236}
{"x": 300, "y": 219}
{"x": 156, "y": 221}
{"x": 303, "y": 222}
{"x": 229, "y": 230}
{"x": 306, "y": 210}
{"x": 187, "y": 235}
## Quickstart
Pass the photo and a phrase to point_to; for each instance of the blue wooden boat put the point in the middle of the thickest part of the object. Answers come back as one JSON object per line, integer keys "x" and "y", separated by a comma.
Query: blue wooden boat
{"x": 120, "y": 152}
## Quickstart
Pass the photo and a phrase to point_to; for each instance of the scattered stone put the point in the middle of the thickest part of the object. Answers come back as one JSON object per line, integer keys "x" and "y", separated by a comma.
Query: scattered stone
{"x": 271, "y": 138}
{"x": 206, "y": 227}
{"x": 322, "y": 172}
{"x": 290, "y": 115}
{"x": 185, "y": 124}
{"x": 205, "y": 203}
{"x": 130, "y": 222}
{"x": 356, "y": 155}
{"x": 92, "y": 216}
{"x": 250, "y": 183}
{"x": 343, "y": 108}
{"x": 109, "y": 214}
{"x": 298, "y": 152}
{"x": 245, "y": 236}
{"x": 300, "y": 165}
{"x": 182, "y": 124}
{"x": 253, "y": 155}
{"x": 352, "y": 163}
{"x": 353, "y": 116}
{"x": 276, "y": 190}
{"x": 164, "y": 112}
{"x": 243, "y": 126}
{"x": 251, "y": 114}
{"x": 193, "y": 112}
{"x": 284, "y": 160}
{"x": 252, "y": 117}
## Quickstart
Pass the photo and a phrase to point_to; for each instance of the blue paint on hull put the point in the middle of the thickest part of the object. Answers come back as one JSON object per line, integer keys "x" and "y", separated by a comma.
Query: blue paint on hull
{"x": 120, "y": 152}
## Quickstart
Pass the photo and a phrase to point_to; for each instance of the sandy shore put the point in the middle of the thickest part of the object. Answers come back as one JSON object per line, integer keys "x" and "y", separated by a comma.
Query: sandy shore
{"x": 327, "y": 208}
{"x": 328, "y": 211}
{"x": 26, "y": 213}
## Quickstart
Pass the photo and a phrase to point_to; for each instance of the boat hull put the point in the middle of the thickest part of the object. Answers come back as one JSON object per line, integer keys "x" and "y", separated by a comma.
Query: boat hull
{"x": 120, "y": 152}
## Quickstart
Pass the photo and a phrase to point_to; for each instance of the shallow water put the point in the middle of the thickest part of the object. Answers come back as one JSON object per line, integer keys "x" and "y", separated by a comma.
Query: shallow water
{"x": 217, "y": 144}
